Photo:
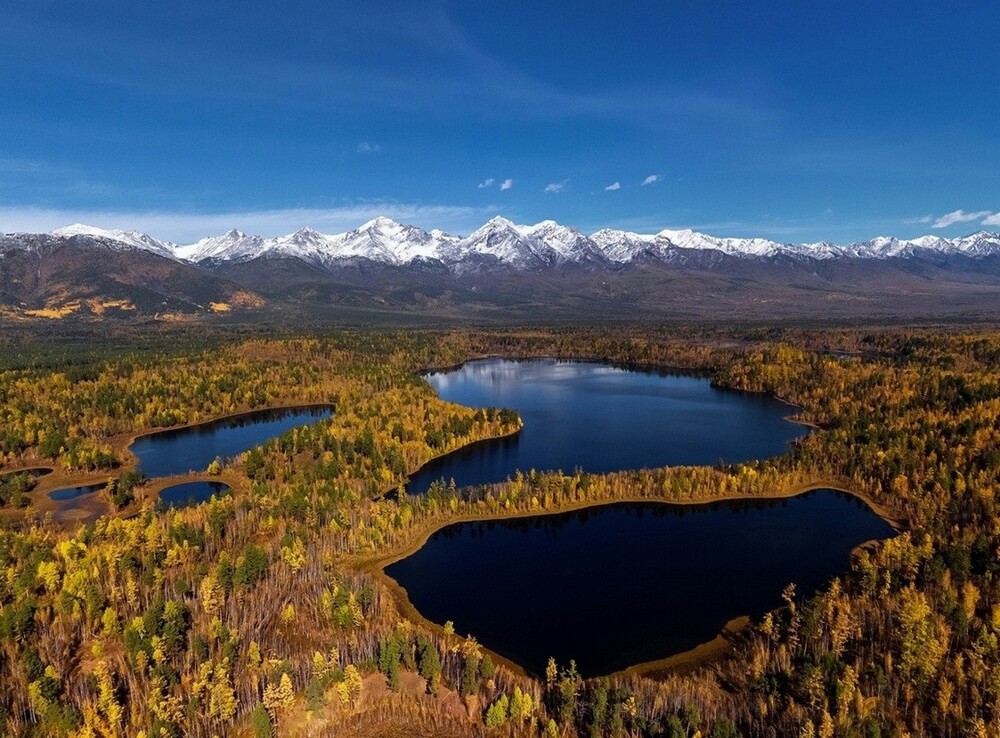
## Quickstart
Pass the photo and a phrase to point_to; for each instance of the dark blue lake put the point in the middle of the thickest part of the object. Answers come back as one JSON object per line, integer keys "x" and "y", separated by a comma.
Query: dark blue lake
{"x": 621, "y": 584}
{"x": 602, "y": 418}
{"x": 183, "y": 450}
{"x": 191, "y": 493}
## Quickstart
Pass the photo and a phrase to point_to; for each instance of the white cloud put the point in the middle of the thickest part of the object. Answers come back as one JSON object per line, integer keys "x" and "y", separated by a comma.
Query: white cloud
{"x": 554, "y": 187}
{"x": 613, "y": 186}
{"x": 924, "y": 219}
{"x": 960, "y": 216}
{"x": 652, "y": 179}
{"x": 506, "y": 184}
{"x": 368, "y": 148}
{"x": 488, "y": 182}
{"x": 181, "y": 227}
{"x": 991, "y": 220}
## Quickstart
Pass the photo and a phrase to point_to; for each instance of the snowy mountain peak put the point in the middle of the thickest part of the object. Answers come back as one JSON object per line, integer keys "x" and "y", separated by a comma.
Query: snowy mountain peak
{"x": 508, "y": 243}
{"x": 119, "y": 238}
{"x": 566, "y": 241}
{"x": 305, "y": 233}
{"x": 498, "y": 221}
{"x": 381, "y": 222}
{"x": 80, "y": 229}
{"x": 234, "y": 244}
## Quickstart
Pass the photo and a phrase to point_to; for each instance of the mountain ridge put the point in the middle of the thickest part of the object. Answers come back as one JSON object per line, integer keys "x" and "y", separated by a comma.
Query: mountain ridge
{"x": 521, "y": 247}
{"x": 501, "y": 271}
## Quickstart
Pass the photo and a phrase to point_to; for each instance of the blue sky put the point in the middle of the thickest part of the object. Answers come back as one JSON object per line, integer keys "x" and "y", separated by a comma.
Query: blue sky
{"x": 796, "y": 121}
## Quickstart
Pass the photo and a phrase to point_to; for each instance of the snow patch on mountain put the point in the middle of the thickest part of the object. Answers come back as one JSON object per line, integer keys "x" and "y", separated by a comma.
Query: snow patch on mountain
{"x": 500, "y": 241}
{"x": 234, "y": 244}
{"x": 124, "y": 239}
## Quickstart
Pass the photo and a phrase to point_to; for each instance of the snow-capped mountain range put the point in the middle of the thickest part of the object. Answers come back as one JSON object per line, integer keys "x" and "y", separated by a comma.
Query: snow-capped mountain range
{"x": 520, "y": 247}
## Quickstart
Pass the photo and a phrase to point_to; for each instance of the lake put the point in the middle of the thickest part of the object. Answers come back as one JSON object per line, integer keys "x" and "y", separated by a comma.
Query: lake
{"x": 621, "y": 584}
{"x": 191, "y": 493}
{"x": 193, "y": 448}
{"x": 603, "y": 418}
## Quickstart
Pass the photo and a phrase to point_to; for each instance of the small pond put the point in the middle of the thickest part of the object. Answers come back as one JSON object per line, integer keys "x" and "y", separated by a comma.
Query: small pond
{"x": 191, "y": 493}
{"x": 71, "y": 493}
{"x": 79, "y": 504}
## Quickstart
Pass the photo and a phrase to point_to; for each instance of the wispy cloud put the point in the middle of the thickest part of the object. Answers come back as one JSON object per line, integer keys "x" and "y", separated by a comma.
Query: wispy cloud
{"x": 366, "y": 147}
{"x": 186, "y": 227}
{"x": 488, "y": 182}
{"x": 613, "y": 186}
{"x": 555, "y": 187}
{"x": 960, "y": 216}
{"x": 473, "y": 81}
{"x": 992, "y": 220}
{"x": 506, "y": 184}
{"x": 32, "y": 166}
{"x": 922, "y": 219}
{"x": 652, "y": 179}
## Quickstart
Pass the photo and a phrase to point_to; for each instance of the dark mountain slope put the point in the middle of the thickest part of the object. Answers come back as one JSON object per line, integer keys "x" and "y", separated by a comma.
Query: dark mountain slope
{"x": 89, "y": 276}
{"x": 46, "y": 276}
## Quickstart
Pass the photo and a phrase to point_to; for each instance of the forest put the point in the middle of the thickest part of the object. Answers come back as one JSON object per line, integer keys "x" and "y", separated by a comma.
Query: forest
{"x": 266, "y": 612}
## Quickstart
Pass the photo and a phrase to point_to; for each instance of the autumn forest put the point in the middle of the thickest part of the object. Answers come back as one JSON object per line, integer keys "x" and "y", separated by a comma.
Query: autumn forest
{"x": 266, "y": 611}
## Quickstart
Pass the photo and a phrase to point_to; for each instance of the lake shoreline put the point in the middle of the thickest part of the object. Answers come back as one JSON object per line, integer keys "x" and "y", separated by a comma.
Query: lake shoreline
{"x": 121, "y": 443}
{"x": 283, "y": 407}
{"x": 60, "y": 478}
{"x": 682, "y": 662}
{"x": 425, "y": 533}
{"x": 690, "y": 660}
{"x": 471, "y": 445}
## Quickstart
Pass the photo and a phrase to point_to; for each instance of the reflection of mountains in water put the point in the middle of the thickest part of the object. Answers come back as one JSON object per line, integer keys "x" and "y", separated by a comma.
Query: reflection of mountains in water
{"x": 496, "y": 371}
